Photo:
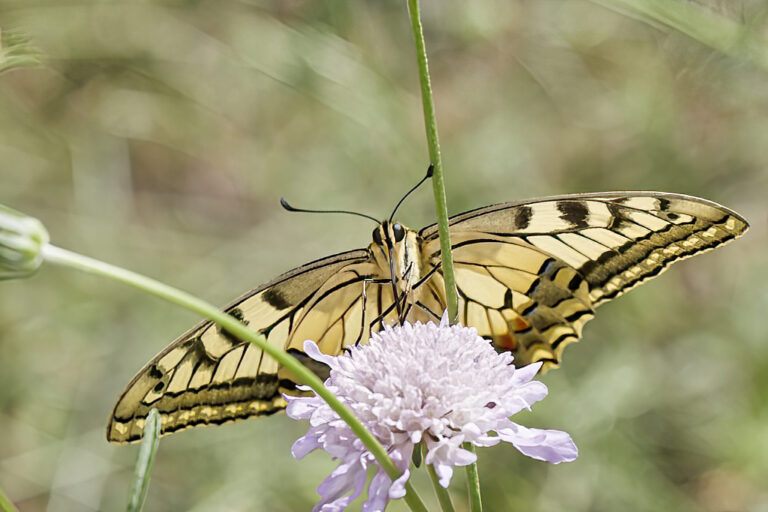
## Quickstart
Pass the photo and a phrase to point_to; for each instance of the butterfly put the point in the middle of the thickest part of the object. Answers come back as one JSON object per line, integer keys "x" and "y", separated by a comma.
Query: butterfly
{"x": 529, "y": 275}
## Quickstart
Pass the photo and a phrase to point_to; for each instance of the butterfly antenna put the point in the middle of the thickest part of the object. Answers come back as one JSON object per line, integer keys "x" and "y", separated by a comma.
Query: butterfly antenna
{"x": 290, "y": 208}
{"x": 430, "y": 171}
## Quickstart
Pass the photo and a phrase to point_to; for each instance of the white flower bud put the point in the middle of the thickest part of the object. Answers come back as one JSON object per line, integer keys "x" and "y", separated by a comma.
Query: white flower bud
{"x": 22, "y": 239}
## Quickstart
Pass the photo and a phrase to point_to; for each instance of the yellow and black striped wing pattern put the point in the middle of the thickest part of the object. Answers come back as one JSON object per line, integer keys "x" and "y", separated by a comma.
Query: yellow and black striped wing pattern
{"x": 530, "y": 274}
{"x": 208, "y": 377}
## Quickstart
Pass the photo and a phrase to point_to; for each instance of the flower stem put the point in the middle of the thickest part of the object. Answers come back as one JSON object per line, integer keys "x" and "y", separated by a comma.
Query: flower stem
{"x": 473, "y": 482}
{"x": 438, "y": 187}
{"x": 6, "y": 505}
{"x": 70, "y": 259}
{"x": 441, "y": 492}
{"x": 438, "y": 182}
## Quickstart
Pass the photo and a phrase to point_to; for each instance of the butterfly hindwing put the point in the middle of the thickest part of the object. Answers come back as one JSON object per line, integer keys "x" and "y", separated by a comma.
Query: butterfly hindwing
{"x": 525, "y": 299}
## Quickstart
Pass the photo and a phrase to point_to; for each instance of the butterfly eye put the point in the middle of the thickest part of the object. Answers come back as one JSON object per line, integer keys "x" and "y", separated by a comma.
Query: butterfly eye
{"x": 377, "y": 237}
{"x": 399, "y": 232}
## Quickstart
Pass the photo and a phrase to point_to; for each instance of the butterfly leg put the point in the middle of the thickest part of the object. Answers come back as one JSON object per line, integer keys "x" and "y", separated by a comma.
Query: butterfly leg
{"x": 365, "y": 306}
{"x": 392, "y": 279}
{"x": 364, "y": 298}
{"x": 395, "y": 293}
{"x": 406, "y": 310}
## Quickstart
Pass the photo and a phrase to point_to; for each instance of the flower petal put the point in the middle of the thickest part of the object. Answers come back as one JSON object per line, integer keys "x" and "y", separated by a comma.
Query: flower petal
{"x": 344, "y": 478}
{"x": 378, "y": 493}
{"x": 553, "y": 446}
{"x": 444, "y": 473}
{"x": 303, "y": 446}
{"x": 313, "y": 351}
{"x": 526, "y": 373}
{"x": 397, "y": 490}
{"x": 532, "y": 392}
{"x": 300, "y": 407}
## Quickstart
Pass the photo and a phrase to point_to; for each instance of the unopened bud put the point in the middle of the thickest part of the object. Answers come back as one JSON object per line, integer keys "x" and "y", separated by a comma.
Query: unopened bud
{"x": 22, "y": 239}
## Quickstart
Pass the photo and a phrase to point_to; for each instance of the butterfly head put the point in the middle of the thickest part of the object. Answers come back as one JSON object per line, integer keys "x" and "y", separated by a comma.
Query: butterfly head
{"x": 397, "y": 247}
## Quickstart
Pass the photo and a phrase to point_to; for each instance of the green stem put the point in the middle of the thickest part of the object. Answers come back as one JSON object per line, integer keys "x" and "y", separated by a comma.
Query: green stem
{"x": 144, "y": 462}
{"x": 6, "y": 505}
{"x": 438, "y": 182}
{"x": 473, "y": 483}
{"x": 438, "y": 187}
{"x": 441, "y": 492}
{"x": 66, "y": 258}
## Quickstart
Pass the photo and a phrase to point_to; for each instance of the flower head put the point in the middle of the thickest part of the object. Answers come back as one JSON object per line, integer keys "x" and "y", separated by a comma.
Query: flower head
{"x": 437, "y": 384}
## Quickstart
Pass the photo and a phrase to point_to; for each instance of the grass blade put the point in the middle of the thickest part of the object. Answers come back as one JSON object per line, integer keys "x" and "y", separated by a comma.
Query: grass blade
{"x": 700, "y": 23}
{"x": 146, "y": 459}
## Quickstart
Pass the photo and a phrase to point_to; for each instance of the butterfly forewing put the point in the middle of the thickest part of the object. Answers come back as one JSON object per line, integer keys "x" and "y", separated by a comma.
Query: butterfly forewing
{"x": 207, "y": 376}
{"x": 345, "y": 309}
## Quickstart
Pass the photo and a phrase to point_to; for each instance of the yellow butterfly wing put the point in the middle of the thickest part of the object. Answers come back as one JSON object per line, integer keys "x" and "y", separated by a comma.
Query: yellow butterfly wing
{"x": 529, "y": 274}
{"x": 208, "y": 377}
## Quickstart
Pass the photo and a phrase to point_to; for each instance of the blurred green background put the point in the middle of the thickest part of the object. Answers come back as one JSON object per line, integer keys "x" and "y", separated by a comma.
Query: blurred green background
{"x": 159, "y": 136}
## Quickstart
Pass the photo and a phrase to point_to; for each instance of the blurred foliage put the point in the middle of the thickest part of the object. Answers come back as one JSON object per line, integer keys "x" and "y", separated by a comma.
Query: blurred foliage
{"x": 159, "y": 136}
{"x": 739, "y": 38}
{"x": 15, "y": 52}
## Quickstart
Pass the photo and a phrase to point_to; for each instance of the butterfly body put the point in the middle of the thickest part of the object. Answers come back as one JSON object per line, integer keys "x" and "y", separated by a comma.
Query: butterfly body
{"x": 529, "y": 276}
{"x": 396, "y": 250}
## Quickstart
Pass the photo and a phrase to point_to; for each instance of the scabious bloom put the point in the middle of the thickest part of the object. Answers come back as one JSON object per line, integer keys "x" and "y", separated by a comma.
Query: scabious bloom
{"x": 437, "y": 384}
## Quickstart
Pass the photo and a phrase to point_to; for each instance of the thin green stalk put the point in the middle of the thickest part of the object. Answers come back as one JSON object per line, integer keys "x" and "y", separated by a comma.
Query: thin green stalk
{"x": 441, "y": 492}
{"x": 473, "y": 483}
{"x": 144, "y": 462}
{"x": 5, "y": 504}
{"x": 66, "y": 258}
{"x": 438, "y": 182}
{"x": 438, "y": 187}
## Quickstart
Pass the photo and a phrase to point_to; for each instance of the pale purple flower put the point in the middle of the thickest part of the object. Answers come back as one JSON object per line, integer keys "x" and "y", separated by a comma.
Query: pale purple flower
{"x": 437, "y": 384}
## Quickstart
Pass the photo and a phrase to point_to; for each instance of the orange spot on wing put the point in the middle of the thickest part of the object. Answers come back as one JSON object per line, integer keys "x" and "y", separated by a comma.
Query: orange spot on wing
{"x": 519, "y": 324}
{"x": 505, "y": 341}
